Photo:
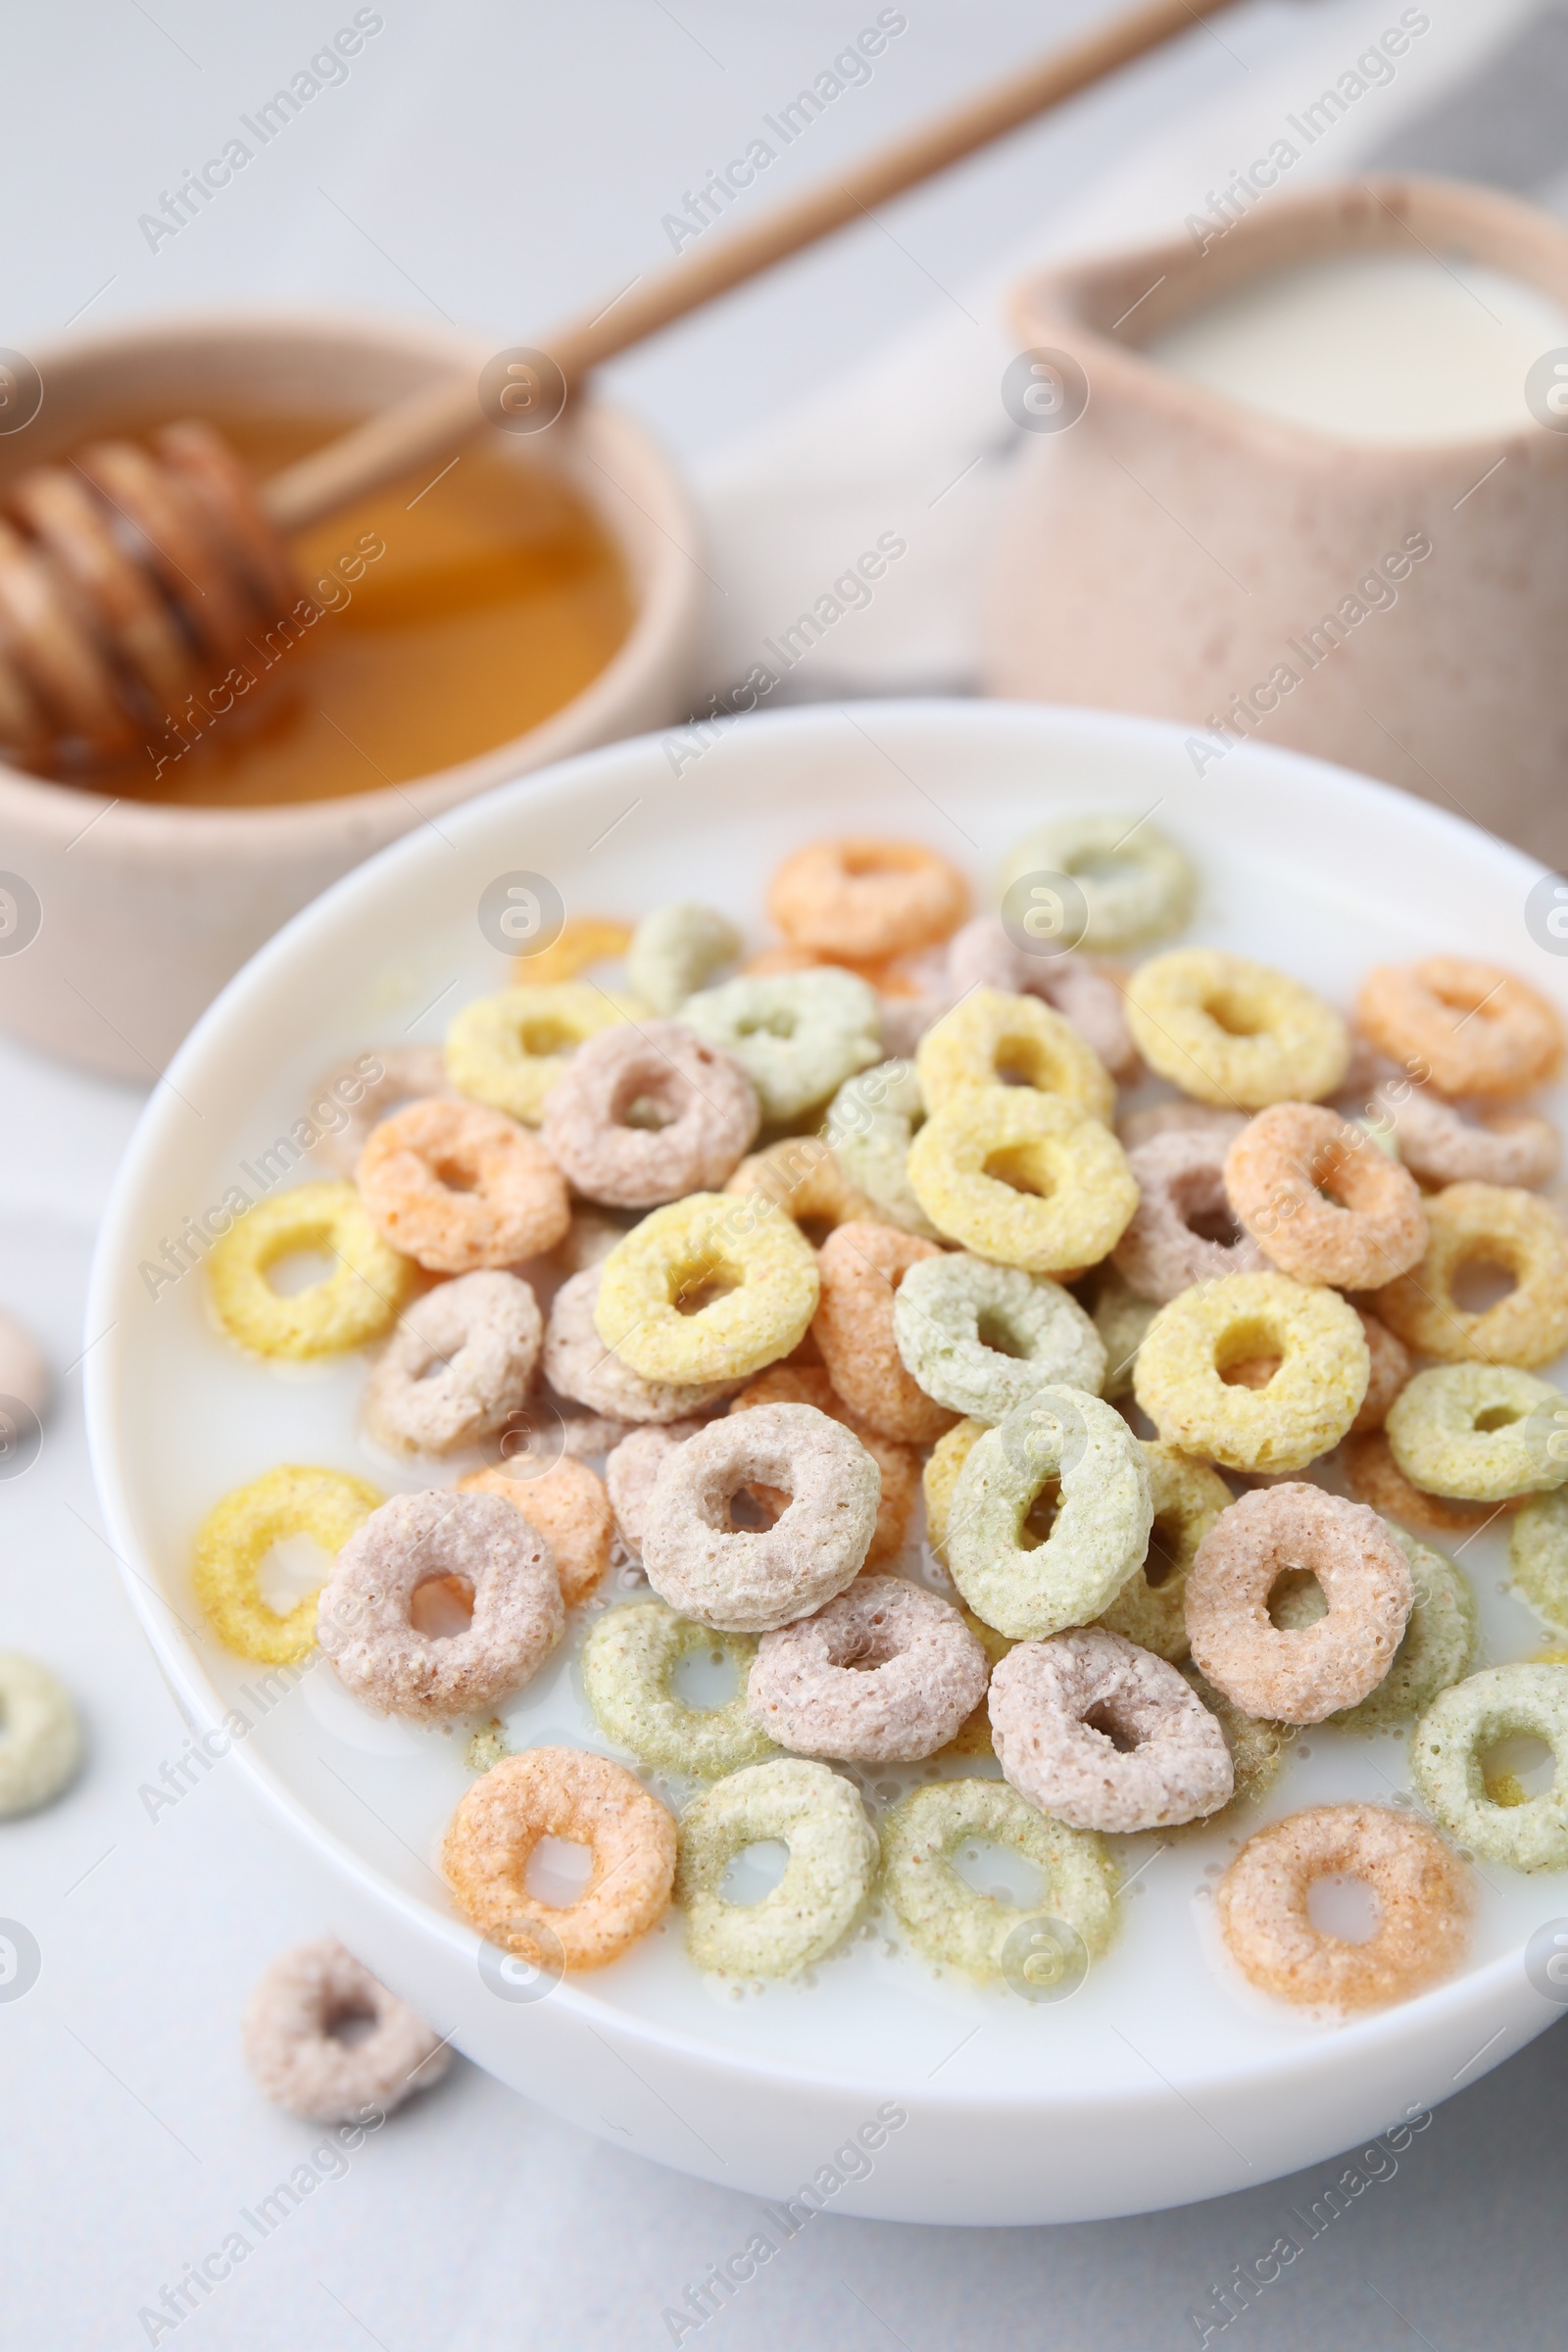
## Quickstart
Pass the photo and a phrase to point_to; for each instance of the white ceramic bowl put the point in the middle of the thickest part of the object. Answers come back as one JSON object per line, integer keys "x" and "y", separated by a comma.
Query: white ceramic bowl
{"x": 1161, "y": 2079}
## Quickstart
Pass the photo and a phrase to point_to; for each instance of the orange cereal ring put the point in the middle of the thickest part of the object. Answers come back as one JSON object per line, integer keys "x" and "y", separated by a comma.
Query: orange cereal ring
{"x": 1486, "y": 1224}
{"x": 1368, "y": 1229}
{"x": 1374, "y": 1476}
{"x": 567, "y": 1505}
{"x": 861, "y": 1267}
{"x": 1478, "y": 1029}
{"x": 458, "y": 1187}
{"x": 808, "y": 1384}
{"x": 867, "y": 897}
{"x": 586, "y": 939}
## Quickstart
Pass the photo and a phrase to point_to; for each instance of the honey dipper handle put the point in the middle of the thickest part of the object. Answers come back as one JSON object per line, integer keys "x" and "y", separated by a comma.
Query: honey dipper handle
{"x": 429, "y": 426}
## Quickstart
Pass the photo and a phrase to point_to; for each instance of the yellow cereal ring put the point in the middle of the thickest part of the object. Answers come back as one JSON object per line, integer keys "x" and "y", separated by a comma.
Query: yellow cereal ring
{"x": 1498, "y": 1227}
{"x": 1025, "y": 1178}
{"x": 235, "y": 1537}
{"x": 991, "y": 1039}
{"x": 939, "y": 1478}
{"x": 585, "y": 940}
{"x": 509, "y": 1050}
{"x": 1233, "y": 1032}
{"x": 1304, "y": 1410}
{"x": 752, "y": 1264}
{"x": 359, "y": 1301}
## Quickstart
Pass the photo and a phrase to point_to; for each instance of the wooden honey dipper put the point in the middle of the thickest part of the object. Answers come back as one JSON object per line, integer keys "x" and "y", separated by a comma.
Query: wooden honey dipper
{"x": 130, "y": 576}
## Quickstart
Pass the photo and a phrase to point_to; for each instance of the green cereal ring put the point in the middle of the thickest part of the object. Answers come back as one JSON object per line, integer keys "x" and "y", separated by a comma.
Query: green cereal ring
{"x": 1305, "y": 1409}
{"x": 946, "y": 1917}
{"x": 236, "y": 1536}
{"x": 1437, "y": 1647}
{"x": 981, "y": 1338}
{"x": 755, "y": 1262}
{"x": 1479, "y": 1433}
{"x": 796, "y": 1035}
{"x": 40, "y": 1736}
{"x": 1122, "y": 1321}
{"x": 628, "y": 1660}
{"x": 1233, "y": 1032}
{"x": 1188, "y": 1497}
{"x": 675, "y": 949}
{"x": 509, "y": 1050}
{"x": 833, "y": 1857}
{"x": 992, "y": 1039}
{"x": 359, "y": 1300}
{"x": 1448, "y": 1752}
{"x": 1026, "y": 1178}
{"x": 871, "y": 1124}
{"x": 939, "y": 1478}
{"x": 1137, "y": 885}
{"x": 1025, "y": 1586}
{"x": 1537, "y": 1552}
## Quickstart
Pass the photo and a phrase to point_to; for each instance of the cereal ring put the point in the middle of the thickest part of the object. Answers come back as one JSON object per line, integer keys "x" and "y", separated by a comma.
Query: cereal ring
{"x": 946, "y": 1917}
{"x": 628, "y": 1662}
{"x": 939, "y": 1478}
{"x": 675, "y": 950}
{"x": 1448, "y": 1758}
{"x": 1424, "y": 1899}
{"x": 1391, "y": 1368}
{"x": 40, "y": 1736}
{"x": 1146, "y": 893}
{"x": 406, "y": 1074}
{"x": 1511, "y": 1147}
{"x": 833, "y": 1856}
{"x": 1480, "y": 1432}
{"x": 1137, "y": 1127}
{"x": 483, "y": 1332}
{"x": 1233, "y": 1032}
{"x": 1438, "y": 1645}
{"x": 1259, "y": 1748}
{"x": 871, "y": 1124}
{"x": 1023, "y": 1177}
{"x": 981, "y": 1338}
{"x": 561, "y": 1793}
{"x": 299, "y": 2059}
{"x": 860, "y": 1268}
{"x": 1537, "y": 1555}
{"x": 1303, "y": 1676}
{"x": 991, "y": 1039}
{"x": 802, "y": 1176}
{"x": 1188, "y": 1497}
{"x": 364, "y": 1622}
{"x": 1490, "y": 1225}
{"x": 1017, "y": 1582}
{"x": 1183, "y": 1230}
{"x": 1122, "y": 1321}
{"x": 569, "y": 1506}
{"x": 631, "y": 1471}
{"x": 884, "y": 1674}
{"x": 582, "y": 940}
{"x": 1372, "y": 1477}
{"x": 808, "y": 1384}
{"x": 1101, "y": 1736}
{"x": 710, "y": 1289}
{"x": 797, "y": 1036}
{"x": 1478, "y": 1029}
{"x": 742, "y": 1580}
{"x": 459, "y": 1187}
{"x": 578, "y": 1364}
{"x": 646, "y": 1113}
{"x": 982, "y": 955}
{"x": 1309, "y": 1401}
{"x": 1369, "y": 1227}
{"x": 508, "y": 1050}
{"x": 356, "y": 1303}
{"x": 866, "y": 898}
{"x": 324, "y": 1506}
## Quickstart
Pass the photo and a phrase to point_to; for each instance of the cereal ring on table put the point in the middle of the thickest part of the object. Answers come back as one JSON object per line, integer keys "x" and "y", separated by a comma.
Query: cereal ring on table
{"x": 675, "y": 949}
{"x": 1183, "y": 1230}
{"x": 508, "y": 1050}
{"x": 1424, "y": 1899}
{"x": 1447, "y": 1755}
{"x": 1372, "y": 1477}
{"x": 1437, "y": 1648}
{"x": 1510, "y": 1147}
{"x": 406, "y": 1074}
{"x": 866, "y": 898}
{"x": 826, "y": 1882}
{"x": 1476, "y": 1028}
{"x": 459, "y": 1187}
{"x": 1187, "y": 1497}
{"x": 1369, "y": 1228}
{"x": 602, "y": 1122}
{"x": 1391, "y": 1368}
{"x": 582, "y": 940}
{"x": 746, "y": 1580}
{"x": 1308, "y": 1402}
{"x": 709, "y": 1289}
{"x": 580, "y": 1364}
{"x": 1490, "y": 1225}
{"x": 946, "y": 1918}
{"x": 468, "y": 1542}
{"x": 939, "y": 1478}
{"x": 802, "y": 1175}
{"x": 871, "y": 1124}
{"x": 1026, "y": 1178}
{"x": 1538, "y": 1555}
{"x": 1480, "y": 1432}
{"x": 1305, "y": 1675}
{"x": 884, "y": 1674}
{"x": 1259, "y": 1748}
{"x": 1137, "y": 1127}
{"x": 982, "y": 955}
{"x": 631, "y": 1471}
{"x": 981, "y": 1338}
{"x": 1233, "y": 1032}
{"x": 357, "y": 1301}
{"x": 1101, "y": 1736}
{"x": 808, "y": 1384}
{"x": 299, "y": 2061}
{"x": 860, "y": 1268}
{"x": 798, "y": 1035}
{"x": 569, "y": 1506}
{"x": 1146, "y": 893}
{"x": 1017, "y": 1582}
{"x": 628, "y": 1664}
{"x": 40, "y": 1736}
{"x": 586, "y": 1799}
{"x": 1122, "y": 1321}
{"x": 483, "y": 1333}
{"x": 991, "y": 1039}
{"x": 324, "y": 1506}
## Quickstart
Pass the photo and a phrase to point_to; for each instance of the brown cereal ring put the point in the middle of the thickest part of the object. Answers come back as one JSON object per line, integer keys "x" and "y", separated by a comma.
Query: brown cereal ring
{"x": 1368, "y": 1230}
{"x": 299, "y": 2060}
{"x": 992, "y": 1040}
{"x": 578, "y": 1364}
{"x": 1491, "y": 1225}
{"x": 458, "y": 1365}
{"x": 569, "y": 1506}
{"x": 1101, "y": 1736}
{"x": 941, "y": 1475}
{"x": 866, "y": 898}
{"x": 1175, "y": 1238}
{"x": 583, "y": 940}
{"x": 1476, "y": 1028}
{"x": 561, "y": 1793}
{"x": 802, "y": 1176}
{"x": 884, "y": 1674}
{"x": 408, "y": 1074}
{"x": 459, "y": 1187}
{"x": 1391, "y": 1369}
{"x": 1374, "y": 1477}
{"x": 1437, "y": 1145}
{"x": 648, "y": 1111}
{"x": 1424, "y": 1897}
{"x": 809, "y": 1384}
{"x": 861, "y": 1267}
{"x": 1365, "y": 1578}
{"x": 982, "y": 955}
{"x": 1188, "y": 1497}
{"x": 631, "y": 1471}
